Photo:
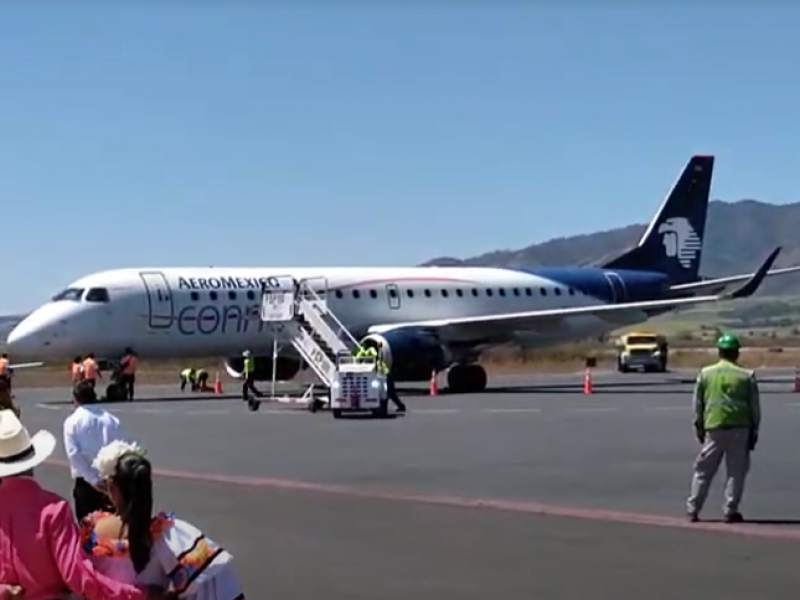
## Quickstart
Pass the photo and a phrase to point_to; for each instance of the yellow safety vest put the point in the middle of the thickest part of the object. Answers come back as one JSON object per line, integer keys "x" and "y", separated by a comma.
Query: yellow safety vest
{"x": 726, "y": 391}
{"x": 249, "y": 365}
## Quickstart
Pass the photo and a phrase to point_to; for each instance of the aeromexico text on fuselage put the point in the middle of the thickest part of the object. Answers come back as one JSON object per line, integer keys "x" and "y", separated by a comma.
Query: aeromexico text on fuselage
{"x": 227, "y": 283}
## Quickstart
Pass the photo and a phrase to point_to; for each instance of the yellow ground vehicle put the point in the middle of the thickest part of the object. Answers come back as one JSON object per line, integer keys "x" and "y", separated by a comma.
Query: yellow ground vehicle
{"x": 642, "y": 350}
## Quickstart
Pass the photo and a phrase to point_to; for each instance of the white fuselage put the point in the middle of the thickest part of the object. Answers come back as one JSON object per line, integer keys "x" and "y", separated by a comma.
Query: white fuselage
{"x": 215, "y": 311}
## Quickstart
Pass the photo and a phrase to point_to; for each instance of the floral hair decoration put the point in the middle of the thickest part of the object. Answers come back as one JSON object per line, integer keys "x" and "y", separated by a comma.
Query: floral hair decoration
{"x": 106, "y": 460}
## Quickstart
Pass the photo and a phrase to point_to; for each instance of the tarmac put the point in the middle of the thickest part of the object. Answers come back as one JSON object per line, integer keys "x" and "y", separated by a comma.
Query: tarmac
{"x": 511, "y": 493}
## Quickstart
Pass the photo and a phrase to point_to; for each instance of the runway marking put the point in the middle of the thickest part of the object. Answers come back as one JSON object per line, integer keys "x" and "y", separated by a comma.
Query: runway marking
{"x": 512, "y": 410}
{"x": 518, "y": 506}
{"x": 49, "y": 406}
{"x": 660, "y": 408}
{"x": 592, "y": 409}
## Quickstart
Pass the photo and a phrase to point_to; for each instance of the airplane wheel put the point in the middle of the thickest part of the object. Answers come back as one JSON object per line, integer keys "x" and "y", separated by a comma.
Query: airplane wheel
{"x": 467, "y": 379}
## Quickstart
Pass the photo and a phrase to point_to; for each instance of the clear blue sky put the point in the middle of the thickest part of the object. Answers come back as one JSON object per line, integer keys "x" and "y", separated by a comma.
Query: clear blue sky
{"x": 246, "y": 133}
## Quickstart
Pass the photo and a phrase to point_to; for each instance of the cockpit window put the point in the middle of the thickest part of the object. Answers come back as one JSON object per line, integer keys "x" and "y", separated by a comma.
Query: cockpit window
{"x": 71, "y": 294}
{"x": 97, "y": 295}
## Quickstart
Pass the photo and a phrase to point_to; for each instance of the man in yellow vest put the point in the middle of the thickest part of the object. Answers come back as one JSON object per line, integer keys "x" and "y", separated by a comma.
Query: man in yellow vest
{"x": 383, "y": 369}
{"x": 727, "y": 416}
{"x": 249, "y": 376}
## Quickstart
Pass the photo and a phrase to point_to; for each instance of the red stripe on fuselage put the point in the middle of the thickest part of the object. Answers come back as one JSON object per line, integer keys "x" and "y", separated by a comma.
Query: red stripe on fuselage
{"x": 388, "y": 281}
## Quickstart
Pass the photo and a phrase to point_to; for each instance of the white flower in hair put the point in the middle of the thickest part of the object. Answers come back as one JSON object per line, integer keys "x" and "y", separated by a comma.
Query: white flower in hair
{"x": 105, "y": 463}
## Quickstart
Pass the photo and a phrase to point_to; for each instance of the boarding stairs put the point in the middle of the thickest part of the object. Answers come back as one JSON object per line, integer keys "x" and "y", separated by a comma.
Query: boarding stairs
{"x": 301, "y": 315}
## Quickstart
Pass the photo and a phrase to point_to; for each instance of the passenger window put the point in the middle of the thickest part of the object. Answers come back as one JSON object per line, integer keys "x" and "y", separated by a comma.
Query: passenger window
{"x": 339, "y": 294}
{"x": 502, "y": 292}
{"x": 356, "y": 294}
{"x": 474, "y": 292}
{"x": 212, "y": 295}
{"x": 516, "y": 292}
{"x": 232, "y": 295}
{"x": 427, "y": 293}
{"x": 251, "y": 295}
{"x": 459, "y": 293}
{"x": 444, "y": 293}
{"x": 543, "y": 291}
{"x": 571, "y": 292}
{"x": 489, "y": 292}
{"x": 393, "y": 292}
{"x": 410, "y": 293}
{"x": 373, "y": 294}
{"x": 72, "y": 294}
{"x": 558, "y": 291}
{"x": 194, "y": 296}
{"x": 97, "y": 295}
{"x": 528, "y": 291}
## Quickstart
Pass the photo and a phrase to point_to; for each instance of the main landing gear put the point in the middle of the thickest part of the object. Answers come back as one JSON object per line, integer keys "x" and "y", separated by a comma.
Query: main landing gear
{"x": 466, "y": 379}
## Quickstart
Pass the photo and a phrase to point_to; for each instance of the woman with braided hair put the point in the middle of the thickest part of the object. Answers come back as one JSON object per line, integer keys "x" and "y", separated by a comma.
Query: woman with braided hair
{"x": 136, "y": 546}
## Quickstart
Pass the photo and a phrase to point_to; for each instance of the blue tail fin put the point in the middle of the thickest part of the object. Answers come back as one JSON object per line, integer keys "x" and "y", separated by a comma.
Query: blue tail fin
{"x": 673, "y": 243}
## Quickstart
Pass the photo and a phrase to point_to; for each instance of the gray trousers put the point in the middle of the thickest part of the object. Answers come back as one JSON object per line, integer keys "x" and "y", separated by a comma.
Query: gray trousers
{"x": 733, "y": 445}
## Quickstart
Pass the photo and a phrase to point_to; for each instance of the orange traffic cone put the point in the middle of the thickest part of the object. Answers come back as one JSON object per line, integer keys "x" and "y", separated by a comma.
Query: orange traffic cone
{"x": 217, "y": 383}
{"x": 587, "y": 382}
{"x": 433, "y": 387}
{"x": 797, "y": 379}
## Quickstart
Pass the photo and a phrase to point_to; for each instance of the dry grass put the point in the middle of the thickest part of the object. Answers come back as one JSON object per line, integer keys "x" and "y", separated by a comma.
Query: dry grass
{"x": 571, "y": 358}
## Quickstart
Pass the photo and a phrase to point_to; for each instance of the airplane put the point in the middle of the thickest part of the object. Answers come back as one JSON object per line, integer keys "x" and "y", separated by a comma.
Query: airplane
{"x": 425, "y": 318}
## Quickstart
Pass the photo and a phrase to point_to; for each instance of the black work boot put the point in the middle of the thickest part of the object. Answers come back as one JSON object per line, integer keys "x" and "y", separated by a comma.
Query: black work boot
{"x": 734, "y": 517}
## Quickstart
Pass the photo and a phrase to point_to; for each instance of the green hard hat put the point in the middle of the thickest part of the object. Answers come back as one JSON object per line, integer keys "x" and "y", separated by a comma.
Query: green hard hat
{"x": 728, "y": 341}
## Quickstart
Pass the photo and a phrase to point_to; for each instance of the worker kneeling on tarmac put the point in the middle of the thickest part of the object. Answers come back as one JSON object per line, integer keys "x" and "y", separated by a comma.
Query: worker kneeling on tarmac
{"x": 196, "y": 379}
{"x": 727, "y": 416}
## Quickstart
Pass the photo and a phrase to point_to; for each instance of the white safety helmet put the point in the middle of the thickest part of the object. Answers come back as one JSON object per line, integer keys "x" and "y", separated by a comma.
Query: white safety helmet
{"x": 246, "y": 353}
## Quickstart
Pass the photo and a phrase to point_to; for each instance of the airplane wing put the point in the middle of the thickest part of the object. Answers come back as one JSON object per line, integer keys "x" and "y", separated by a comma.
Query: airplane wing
{"x": 620, "y": 314}
{"x": 715, "y": 286}
{"x": 28, "y": 365}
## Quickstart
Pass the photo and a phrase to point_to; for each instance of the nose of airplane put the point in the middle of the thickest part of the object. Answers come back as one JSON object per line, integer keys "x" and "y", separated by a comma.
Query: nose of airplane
{"x": 36, "y": 333}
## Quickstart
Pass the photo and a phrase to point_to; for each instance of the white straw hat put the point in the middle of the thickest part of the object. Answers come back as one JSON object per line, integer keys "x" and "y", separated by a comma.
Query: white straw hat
{"x": 19, "y": 452}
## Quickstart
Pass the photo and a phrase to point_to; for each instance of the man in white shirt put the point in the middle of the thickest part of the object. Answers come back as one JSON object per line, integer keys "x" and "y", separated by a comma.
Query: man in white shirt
{"x": 86, "y": 431}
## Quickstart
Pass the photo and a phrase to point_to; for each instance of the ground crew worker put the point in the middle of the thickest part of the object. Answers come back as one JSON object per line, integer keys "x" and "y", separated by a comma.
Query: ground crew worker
{"x": 391, "y": 390}
{"x": 77, "y": 370}
{"x": 6, "y": 399}
{"x": 127, "y": 378}
{"x": 189, "y": 376}
{"x": 5, "y": 369}
{"x": 91, "y": 371}
{"x": 727, "y": 417}
{"x": 249, "y": 376}
{"x": 366, "y": 352}
{"x": 201, "y": 379}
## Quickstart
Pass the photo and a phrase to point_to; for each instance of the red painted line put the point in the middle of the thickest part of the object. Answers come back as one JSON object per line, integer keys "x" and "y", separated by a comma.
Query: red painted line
{"x": 518, "y": 506}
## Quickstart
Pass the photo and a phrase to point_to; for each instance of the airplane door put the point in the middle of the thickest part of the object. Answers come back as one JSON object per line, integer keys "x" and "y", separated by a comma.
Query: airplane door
{"x": 393, "y": 296}
{"x": 159, "y": 299}
{"x": 617, "y": 287}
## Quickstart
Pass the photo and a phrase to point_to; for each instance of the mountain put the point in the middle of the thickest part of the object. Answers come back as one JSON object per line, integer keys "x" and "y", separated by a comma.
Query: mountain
{"x": 739, "y": 236}
{"x": 7, "y": 323}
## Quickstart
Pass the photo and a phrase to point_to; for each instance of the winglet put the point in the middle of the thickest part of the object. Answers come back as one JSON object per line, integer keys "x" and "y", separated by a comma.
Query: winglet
{"x": 752, "y": 284}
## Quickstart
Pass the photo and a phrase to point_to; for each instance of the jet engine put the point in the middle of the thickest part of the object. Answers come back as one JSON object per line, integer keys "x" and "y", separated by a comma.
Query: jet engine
{"x": 410, "y": 355}
{"x": 286, "y": 369}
